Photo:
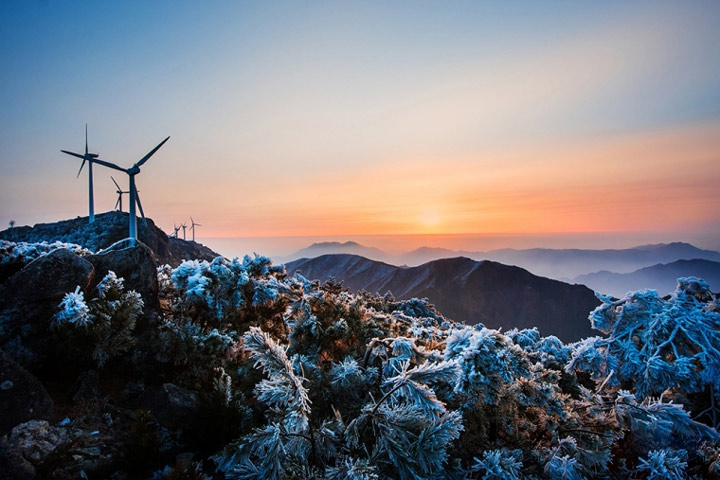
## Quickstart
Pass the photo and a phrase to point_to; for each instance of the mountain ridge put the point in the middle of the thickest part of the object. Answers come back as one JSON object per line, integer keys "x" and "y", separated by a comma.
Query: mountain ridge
{"x": 487, "y": 292}
{"x": 560, "y": 264}
{"x": 661, "y": 277}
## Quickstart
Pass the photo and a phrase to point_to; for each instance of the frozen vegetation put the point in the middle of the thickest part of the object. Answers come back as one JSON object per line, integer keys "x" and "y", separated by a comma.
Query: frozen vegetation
{"x": 22, "y": 253}
{"x": 300, "y": 380}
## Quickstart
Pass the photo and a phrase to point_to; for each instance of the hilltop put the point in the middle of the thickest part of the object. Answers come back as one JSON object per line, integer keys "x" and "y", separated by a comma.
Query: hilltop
{"x": 108, "y": 228}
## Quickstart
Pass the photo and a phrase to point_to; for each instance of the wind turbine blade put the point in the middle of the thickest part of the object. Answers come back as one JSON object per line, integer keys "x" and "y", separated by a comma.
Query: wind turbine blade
{"x": 81, "y": 167}
{"x": 137, "y": 199}
{"x": 86, "y": 145}
{"x": 74, "y": 154}
{"x": 117, "y": 204}
{"x": 116, "y": 184}
{"x": 152, "y": 152}
{"x": 108, "y": 164}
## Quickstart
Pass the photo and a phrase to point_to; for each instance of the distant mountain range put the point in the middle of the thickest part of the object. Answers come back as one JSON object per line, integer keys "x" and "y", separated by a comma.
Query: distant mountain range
{"x": 466, "y": 290}
{"x": 329, "y": 248}
{"x": 561, "y": 264}
{"x": 661, "y": 277}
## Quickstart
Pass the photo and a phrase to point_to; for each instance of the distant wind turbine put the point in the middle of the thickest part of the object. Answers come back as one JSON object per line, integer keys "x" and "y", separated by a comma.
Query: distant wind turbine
{"x": 184, "y": 226}
{"x": 176, "y": 228}
{"x": 134, "y": 199}
{"x": 90, "y": 158}
{"x": 119, "y": 191}
{"x": 192, "y": 227}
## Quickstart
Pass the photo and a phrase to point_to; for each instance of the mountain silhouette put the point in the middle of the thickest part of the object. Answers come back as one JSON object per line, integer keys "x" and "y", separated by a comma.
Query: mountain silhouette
{"x": 487, "y": 292}
{"x": 661, "y": 277}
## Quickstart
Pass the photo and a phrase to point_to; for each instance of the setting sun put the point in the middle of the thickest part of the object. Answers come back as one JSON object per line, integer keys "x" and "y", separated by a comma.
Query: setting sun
{"x": 429, "y": 219}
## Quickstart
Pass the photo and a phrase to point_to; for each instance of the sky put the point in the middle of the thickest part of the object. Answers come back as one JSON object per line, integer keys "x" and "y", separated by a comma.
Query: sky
{"x": 341, "y": 120}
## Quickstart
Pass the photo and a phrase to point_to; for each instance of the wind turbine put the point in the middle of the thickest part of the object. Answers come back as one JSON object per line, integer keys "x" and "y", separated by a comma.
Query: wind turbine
{"x": 90, "y": 158}
{"x": 134, "y": 199}
{"x": 192, "y": 227}
{"x": 120, "y": 192}
{"x": 184, "y": 226}
{"x": 176, "y": 228}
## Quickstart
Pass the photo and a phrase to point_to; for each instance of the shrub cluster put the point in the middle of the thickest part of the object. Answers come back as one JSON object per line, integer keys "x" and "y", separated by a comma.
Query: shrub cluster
{"x": 314, "y": 382}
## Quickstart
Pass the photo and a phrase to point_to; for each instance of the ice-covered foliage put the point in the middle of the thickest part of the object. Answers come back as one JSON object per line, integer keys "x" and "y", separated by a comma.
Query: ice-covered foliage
{"x": 663, "y": 464}
{"x": 487, "y": 359}
{"x": 101, "y": 327}
{"x": 23, "y": 253}
{"x": 226, "y": 286}
{"x": 656, "y": 345}
{"x": 358, "y": 386}
{"x": 73, "y": 310}
{"x": 499, "y": 465}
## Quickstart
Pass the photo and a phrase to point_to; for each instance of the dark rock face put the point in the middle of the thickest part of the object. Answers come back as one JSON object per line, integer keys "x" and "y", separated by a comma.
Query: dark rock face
{"x": 28, "y": 446}
{"x": 173, "y": 405}
{"x": 36, "y": 449}
{"x": 138, "y": 266}
{"x": 496, "y": 295}
{"x": 87, "y": 387}
{"x": 22, "y": 396}
{"x": 107, "y": 229}
{"x": 29, "y": 299}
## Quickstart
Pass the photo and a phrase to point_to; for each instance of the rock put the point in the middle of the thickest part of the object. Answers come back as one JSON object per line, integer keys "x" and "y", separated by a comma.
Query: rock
{"x": 173, "y": 405}
{"x": 87, "y": 387}
{"x": 36, "y": 449}
{"x": 108, "y": 228}
{"x": 138, "y": 267}
{"x": 27, "y": 447}
{"x": 29, "y": 299}
{"x": 22, "y": 396}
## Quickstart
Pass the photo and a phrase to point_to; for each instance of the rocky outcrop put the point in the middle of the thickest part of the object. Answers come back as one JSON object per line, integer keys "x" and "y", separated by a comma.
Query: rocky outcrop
{"x": 37, "y": 449}
{"x": 108, "y": 229}
{"x": 173, "y": 406}
{"x": 22, "y": 396}
{"x": 29, "y": 299}
{"x": 27, "y": 447}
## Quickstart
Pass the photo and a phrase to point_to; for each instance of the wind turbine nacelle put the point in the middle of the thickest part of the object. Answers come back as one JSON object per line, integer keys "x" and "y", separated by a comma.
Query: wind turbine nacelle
{"x": 134, "y": 170}
{"x": 93, "y": 155}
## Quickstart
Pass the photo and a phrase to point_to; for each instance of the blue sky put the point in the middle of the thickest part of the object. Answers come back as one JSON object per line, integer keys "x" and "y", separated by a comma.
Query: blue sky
{"x": 322, "y": 118}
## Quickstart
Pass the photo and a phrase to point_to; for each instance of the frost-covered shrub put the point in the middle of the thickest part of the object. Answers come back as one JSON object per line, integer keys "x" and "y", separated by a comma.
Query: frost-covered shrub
{"x": 487, "y": 359}
{"x": 298, "y": 379}
{"x": 73, "y": 310}
{"x": 655, "y": 344}
{"x": 395, "y": 425}
{"x": 24, "y": 253}
{"x": 102, "y": 327}
{"x": 663, "y": 464}
{"x": 224, "y": 290}
{"x": 499, "y": 465}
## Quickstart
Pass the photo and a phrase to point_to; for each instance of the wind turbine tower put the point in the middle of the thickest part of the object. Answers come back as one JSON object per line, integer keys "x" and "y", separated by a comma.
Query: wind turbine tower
{"x": 119, "y": 191}
{"x": 89, "y": 158}
{"x": 184, "y": 226}
{"x": 192, "y": 227}
{"x": 134, "y": 199}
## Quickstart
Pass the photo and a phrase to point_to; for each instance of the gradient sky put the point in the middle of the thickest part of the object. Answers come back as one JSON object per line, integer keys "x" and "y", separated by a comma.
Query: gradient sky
{"x": 333, "y": 119}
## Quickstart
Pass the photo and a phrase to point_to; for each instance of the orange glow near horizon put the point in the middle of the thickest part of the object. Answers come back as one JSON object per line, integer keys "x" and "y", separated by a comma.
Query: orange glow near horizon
{"x": 372, "y": 118}
{"x": 645, "y": 182}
